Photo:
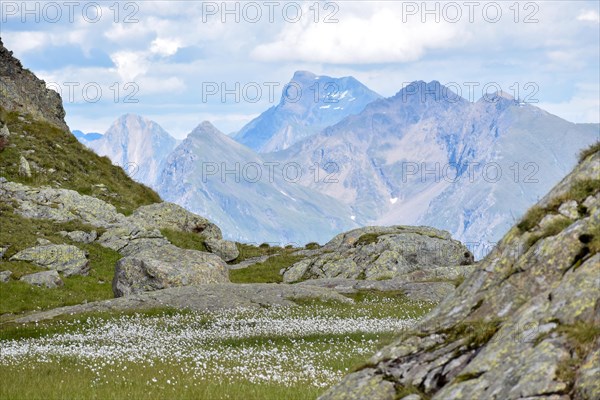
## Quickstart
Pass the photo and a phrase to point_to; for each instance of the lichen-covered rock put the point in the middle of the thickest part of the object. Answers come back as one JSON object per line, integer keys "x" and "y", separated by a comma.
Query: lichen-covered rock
{"x": 67, "y": 259}
{"x": 129, "y": 239}
{"x": 80, "y": 236}
{"x": 60, "y": 205}
{"x": 364, "y": 384}
{"x": 523, "y": 325}
{"x": 166, "y": 266}
{"x": 225, "y": 249}
{"x": 49, "y": 279}
{"x": 171, "y": 216}
{"x": 5, "y": 276}
{"x": 376, "y": 253}
{"x": 24, "y": 168}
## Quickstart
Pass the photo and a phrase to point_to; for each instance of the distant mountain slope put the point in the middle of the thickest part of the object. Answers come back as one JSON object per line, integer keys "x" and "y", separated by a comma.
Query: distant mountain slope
{"x": 137, "y": 144}
{"x": 85, "y": 138}
{"x": 439, "y": 160}
{"x": 309, "y": 104}
{"x": 211, "y": 174}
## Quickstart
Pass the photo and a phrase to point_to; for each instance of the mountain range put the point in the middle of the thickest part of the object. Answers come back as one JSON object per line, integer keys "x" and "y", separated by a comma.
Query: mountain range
{"x": 137, "y": 144}
{"x": 309, "y": 103}
{"x": 419, "y": 157}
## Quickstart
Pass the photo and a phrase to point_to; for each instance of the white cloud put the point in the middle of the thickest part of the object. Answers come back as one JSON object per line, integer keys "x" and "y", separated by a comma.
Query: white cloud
{"x": 165, "y": 47}
{"x": 380, "y": 37}
{"x": 589, "y": 16}
{"x": 584, "y": 106}
{"x": 130, "y": 64}
{"x": 27, "y": 41}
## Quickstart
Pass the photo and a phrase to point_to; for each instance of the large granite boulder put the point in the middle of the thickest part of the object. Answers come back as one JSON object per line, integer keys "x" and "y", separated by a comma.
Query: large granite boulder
{"x": 225, "y": 249}
{"x": 171, "y": 216}
{"x": 376, "y": 253}
{"x": 523, "y": 325}
{"x": 67, "y": 259}
{"x": 49, "y": 279}
{"x": 166, "y": 266}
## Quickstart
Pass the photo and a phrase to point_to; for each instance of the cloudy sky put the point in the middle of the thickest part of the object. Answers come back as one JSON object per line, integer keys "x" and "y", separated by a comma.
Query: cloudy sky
{"x": 164, "y": 59}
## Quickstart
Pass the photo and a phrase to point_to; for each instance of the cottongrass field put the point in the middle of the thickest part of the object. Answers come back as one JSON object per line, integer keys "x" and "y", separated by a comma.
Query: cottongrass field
{"x": 268, "y": 353}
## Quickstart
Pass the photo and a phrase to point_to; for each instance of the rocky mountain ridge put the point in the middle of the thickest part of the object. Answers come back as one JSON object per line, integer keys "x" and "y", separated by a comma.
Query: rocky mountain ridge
{"x": 308, "y": 104}
{"x": 23, "y": 92}
{"x": 523, "y": 325}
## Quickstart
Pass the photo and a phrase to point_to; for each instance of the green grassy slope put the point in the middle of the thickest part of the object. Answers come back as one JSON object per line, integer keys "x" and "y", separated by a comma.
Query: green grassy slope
{"x": 65, "y": 163}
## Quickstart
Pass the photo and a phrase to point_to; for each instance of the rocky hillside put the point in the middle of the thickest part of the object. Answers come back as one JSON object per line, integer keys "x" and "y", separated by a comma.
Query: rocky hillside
{"x": 23, "y": 92}
{"x": 38, "y": 150}
{"x": 524, "y": 325}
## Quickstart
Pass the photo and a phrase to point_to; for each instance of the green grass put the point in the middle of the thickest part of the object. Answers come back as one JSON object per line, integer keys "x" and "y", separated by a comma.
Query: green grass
{"x": 75, "y": 166}
{"x": 403, "y": 391}
{"x": 250, "y": 251}
{"x": 550, "y": 230}
{"x": 70, "y": 379}
{"x": 474, "y": 333}
{"x": 312, "y": 246}
{"x": 185, "y": 240}
{"x": 60, "y": 377}
{"x": 367, "y": 239}
{"x": 265, "y": 272}
{"x": 582, "y": 336}
{"x": 20, "y": 233}
{"x": 578, "y": 191}
{"x": 585, "y": 153}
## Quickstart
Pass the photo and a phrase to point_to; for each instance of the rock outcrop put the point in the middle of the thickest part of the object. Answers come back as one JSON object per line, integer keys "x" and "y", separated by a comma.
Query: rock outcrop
{"x": 524, "y": 325}
{"x": 67, "y": 259}
{"x": 161, "y": 267}
{"x": 48, "y": 279}
{"x": 60, "y": 205}
{"x": 225, "y": 249}
{"x": 22, "y": 91}
{"x": 203, "y": 297}
{"x": 150, "y": 261}
{"x": 171, "y": 216}
{"x": 375, "y": 253}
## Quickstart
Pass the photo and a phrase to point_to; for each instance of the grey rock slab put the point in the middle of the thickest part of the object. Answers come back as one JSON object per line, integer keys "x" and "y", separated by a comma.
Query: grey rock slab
{"x": 166, "y": 266}
{"x": 67, "y": 259}
{"x": 249, "y": 262}
{"x": 376, "y": 253}
{"x": 171, "y": 216}
{"x": 225, "y": 249}
{"x": 80, "y": 236}
{"x": 49, "y": 279}
{"x": 61, "y": 205}
{"x": 209, "y": 297}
